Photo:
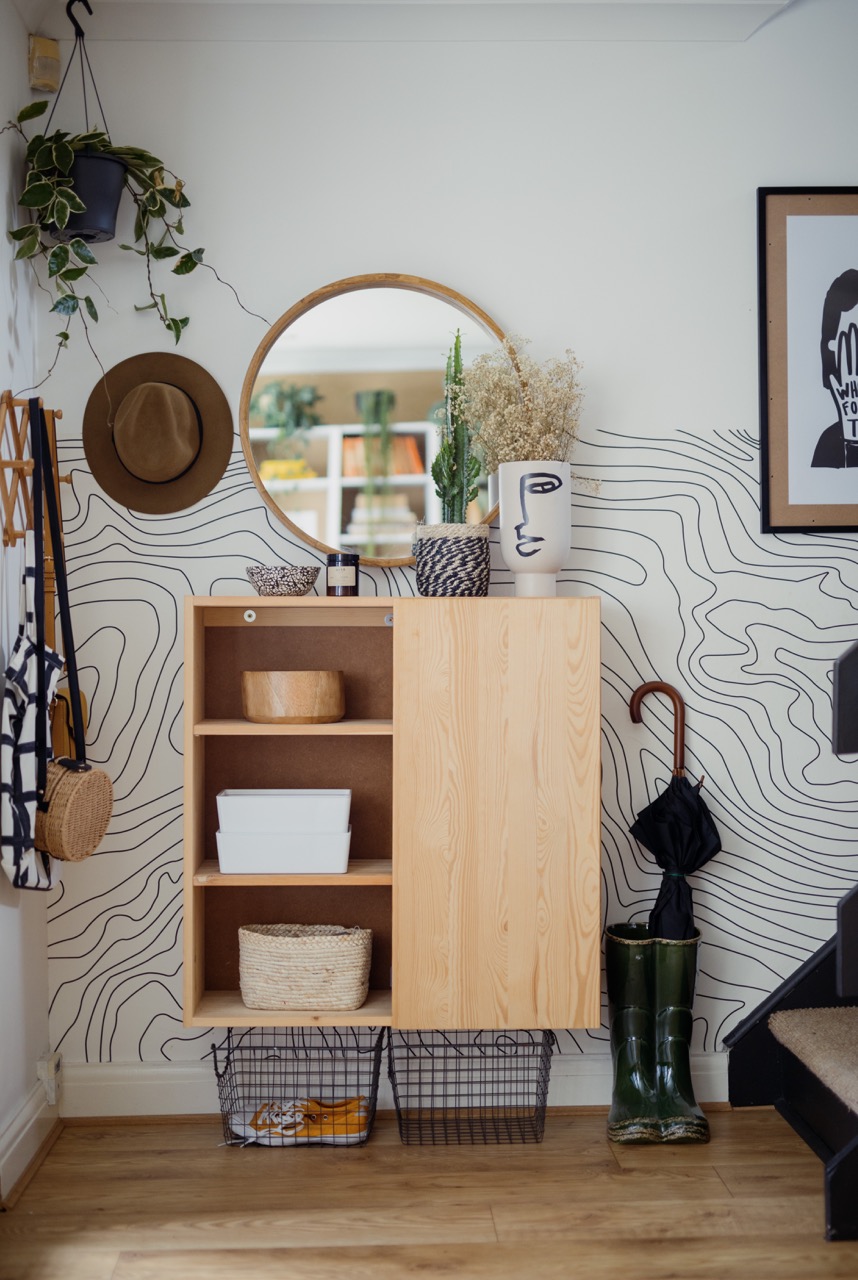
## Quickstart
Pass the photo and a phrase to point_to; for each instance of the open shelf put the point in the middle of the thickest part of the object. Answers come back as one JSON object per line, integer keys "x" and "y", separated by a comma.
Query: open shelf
{"x": 249, "y": 728}
{"x": 361, "y": 871}
{"x": 227, "y": 1009}
{"x": 225, "y": 636}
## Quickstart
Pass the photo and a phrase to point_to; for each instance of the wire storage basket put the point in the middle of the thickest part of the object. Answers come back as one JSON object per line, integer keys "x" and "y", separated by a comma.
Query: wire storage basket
{"x": 470, "y": 1086}
{"x": 298, "y": 1086}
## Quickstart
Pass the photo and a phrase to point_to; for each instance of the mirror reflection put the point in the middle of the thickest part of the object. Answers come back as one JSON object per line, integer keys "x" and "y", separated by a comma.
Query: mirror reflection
{"x": 339, "y": 412}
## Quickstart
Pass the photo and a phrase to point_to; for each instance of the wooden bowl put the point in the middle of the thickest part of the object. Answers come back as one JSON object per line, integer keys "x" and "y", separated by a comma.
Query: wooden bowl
{"x": 293, "y": 697}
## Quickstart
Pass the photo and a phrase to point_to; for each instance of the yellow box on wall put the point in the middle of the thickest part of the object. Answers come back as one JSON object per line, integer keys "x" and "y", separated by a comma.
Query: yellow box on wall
{"x": 44, "y": 64}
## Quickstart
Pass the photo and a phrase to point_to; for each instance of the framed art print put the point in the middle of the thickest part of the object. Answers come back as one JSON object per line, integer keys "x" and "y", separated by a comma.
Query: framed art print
{"x": 808, "y": 282}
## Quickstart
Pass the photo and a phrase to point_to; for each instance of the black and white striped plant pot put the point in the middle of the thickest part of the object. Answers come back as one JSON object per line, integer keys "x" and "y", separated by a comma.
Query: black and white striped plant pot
{"x": 452, "y": 559}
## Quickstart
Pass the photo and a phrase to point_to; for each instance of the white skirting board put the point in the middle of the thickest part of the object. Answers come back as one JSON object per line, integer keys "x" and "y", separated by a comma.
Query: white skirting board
{"x": 177, "y": 1088}
{"x": 586, "y": 1079}
{"x": 22, "y": 1137}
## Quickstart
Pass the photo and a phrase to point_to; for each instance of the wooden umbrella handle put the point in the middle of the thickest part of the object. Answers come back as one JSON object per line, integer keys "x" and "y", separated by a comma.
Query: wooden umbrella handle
{"x": 658, "y": 686}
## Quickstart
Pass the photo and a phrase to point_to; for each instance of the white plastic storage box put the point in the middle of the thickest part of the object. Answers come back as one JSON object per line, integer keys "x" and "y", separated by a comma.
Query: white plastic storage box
{"x": 283, "y": 853}
{"x": 284, "y": 810}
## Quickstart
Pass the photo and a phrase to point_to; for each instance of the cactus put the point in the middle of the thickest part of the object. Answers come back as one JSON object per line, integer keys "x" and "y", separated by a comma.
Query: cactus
{"x": 375, "y": 408}
{"x": 455, "y": 468}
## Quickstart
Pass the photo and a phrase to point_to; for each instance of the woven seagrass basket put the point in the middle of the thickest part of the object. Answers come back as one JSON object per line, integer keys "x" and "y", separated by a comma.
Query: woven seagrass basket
{"x": 303, "y": 966}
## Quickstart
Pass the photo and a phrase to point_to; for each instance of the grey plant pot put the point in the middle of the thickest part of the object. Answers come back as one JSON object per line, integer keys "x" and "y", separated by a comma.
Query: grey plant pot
{"x": 98, "y": 180}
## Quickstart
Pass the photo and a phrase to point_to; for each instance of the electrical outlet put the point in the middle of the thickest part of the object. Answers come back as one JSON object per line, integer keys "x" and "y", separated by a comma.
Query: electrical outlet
{"x": 49, "y": 1071}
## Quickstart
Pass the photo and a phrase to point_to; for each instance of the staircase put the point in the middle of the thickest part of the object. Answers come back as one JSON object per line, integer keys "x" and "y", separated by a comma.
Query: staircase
{"x": 798, "y": 1050}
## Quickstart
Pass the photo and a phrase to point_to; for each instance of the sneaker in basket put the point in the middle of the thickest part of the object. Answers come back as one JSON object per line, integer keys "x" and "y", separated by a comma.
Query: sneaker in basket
{"x": 305, "y": 1120}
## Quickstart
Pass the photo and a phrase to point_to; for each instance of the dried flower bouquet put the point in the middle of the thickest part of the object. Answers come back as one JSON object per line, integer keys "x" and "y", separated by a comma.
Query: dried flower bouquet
{"x": 522, "y": 410}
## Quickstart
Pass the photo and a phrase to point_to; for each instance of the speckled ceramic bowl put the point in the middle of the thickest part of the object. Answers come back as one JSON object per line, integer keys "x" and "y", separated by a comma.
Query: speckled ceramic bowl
{"x": 282, "y": 579}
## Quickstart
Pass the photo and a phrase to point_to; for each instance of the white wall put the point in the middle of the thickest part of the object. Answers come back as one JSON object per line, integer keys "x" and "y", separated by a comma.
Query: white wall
{"x": 599, "y": 196}
{"x": 23, "y": 936}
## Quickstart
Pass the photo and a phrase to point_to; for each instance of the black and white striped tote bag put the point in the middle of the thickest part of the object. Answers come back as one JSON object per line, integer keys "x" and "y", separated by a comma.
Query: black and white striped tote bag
{"x": 26, "y": 867}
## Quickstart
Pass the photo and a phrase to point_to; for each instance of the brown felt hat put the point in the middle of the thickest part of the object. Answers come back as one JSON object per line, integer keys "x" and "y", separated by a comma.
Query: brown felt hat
{"x": 157, "y": 433}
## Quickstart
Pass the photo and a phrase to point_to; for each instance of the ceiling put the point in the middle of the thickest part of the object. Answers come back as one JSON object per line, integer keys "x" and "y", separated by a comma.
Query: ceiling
{"x": 407, "y": 20}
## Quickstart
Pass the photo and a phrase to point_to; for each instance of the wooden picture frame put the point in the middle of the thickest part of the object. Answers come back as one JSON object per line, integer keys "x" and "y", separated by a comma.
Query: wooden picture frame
{"x": 808, "y": 340}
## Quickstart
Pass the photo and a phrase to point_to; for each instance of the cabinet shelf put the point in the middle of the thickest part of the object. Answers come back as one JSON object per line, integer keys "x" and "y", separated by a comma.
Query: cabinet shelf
{"x": 227, "y": 1009}
{"x": 248, "y": 728}
{"x": 361, "y": 871}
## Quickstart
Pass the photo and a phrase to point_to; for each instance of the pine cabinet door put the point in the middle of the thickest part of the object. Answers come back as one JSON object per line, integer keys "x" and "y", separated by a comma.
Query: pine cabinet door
{"x": 496, "y": 916}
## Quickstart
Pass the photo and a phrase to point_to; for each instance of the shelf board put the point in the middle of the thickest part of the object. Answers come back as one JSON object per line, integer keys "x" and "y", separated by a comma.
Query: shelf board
{"x": 361, "y": 871}
{"x": 248, "y": 728}
{"x": 404, "y": 479}
{"x": 381, "y": 539}
{"x": 227, "y": 1009}
{"x": 295, "y": 484}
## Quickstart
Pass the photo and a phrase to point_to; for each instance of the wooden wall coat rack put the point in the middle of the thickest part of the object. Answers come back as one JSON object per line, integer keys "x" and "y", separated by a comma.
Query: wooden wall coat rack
{"x": 16, "y": 486}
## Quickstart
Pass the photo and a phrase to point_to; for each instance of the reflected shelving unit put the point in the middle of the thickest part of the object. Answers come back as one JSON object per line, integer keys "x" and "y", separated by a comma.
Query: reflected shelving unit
{"x": 329, "y": 504}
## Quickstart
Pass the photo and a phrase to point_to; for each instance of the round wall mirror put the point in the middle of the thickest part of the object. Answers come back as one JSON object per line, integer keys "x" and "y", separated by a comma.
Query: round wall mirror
{"x": 339, "y": 411}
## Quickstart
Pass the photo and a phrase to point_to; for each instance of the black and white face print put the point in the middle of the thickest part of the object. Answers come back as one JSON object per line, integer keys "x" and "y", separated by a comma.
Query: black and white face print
{"x": 822, "y": 359}
{"x": 843, "y": 382}
{"x": 531, "y": 486}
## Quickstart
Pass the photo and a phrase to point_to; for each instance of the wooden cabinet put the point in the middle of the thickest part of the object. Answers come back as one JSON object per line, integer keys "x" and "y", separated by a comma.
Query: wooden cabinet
{"x": 471, "y": 746}
{"x": 496, "y": 813}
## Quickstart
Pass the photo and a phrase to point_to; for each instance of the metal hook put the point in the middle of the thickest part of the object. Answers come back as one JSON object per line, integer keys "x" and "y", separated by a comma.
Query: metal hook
{"x": 78, "y": 29}
{"x": 658, "y": 686}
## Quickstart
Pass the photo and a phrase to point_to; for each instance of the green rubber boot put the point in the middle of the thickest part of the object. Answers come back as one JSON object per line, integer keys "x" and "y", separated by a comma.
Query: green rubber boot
{"x": 675, "y": 968}
{"x": 629, "y": 967}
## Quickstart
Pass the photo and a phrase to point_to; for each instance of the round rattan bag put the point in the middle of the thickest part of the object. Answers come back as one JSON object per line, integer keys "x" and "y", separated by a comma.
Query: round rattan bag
{"x": 79, "y": 804}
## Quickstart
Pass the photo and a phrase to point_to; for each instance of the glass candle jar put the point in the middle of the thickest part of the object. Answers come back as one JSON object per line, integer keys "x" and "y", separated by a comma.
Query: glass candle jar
{"x": 342, "y": 575}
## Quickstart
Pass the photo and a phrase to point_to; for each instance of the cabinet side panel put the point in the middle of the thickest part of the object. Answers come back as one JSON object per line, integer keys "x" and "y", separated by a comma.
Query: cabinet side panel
{"x": 194, "y": 852}
{"x": 496, "y": 813}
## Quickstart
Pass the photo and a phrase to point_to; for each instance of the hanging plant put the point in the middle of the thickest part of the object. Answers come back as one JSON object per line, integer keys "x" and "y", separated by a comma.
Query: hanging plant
{"x": 71, "y": 193}
{"x": 58, "y": 235}
{"x": 289, "y": 409}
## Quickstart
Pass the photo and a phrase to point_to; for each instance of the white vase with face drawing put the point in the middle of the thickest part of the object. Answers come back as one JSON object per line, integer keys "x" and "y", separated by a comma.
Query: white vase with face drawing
{"x": 535, "y": 523}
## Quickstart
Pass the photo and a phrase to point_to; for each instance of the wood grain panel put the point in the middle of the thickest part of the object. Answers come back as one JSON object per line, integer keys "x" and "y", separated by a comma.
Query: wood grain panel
{"x": 496, "y": 813}
{"x": 193, "y": 946}
{"x": 553, "y": 1260}
{"x": 302, "y": 611}
{"x": 362, "y": 871}
{"x": 336, "y": 729}
{"x": 227, "y": 1009}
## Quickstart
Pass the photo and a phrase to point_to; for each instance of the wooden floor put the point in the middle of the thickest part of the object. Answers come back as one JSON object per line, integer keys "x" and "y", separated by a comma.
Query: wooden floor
{"x": 164, "y": 1199}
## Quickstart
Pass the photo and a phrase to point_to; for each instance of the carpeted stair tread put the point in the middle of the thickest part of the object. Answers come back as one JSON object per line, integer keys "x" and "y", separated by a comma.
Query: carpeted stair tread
{"x": 826, "y": 1041}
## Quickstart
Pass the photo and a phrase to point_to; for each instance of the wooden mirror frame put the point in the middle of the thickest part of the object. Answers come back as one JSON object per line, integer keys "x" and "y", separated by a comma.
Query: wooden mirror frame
{"x": 352, "y": 284}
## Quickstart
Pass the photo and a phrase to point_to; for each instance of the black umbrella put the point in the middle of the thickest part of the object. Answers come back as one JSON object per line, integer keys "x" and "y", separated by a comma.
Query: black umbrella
{"x": 677, "y": 829}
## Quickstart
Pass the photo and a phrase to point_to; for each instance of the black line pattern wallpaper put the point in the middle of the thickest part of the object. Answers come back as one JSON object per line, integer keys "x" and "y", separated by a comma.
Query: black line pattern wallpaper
{"x": 745, "y": 625}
